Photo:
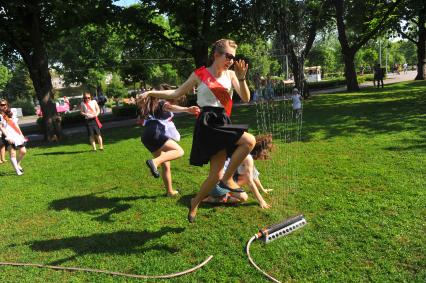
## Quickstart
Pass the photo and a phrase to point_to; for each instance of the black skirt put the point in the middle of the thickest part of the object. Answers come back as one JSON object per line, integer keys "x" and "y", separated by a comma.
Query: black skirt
{"x": 92, "y": 128}
{"x": 154, "y": 135}
{"x": 214, "y": 132}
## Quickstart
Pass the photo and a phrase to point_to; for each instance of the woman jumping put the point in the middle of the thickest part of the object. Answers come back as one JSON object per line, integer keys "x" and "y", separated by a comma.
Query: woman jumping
{"x": 215, "y": 137}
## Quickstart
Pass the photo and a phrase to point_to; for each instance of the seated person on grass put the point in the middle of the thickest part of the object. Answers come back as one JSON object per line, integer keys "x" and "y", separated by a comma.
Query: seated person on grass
{"x": 246, "y": 174}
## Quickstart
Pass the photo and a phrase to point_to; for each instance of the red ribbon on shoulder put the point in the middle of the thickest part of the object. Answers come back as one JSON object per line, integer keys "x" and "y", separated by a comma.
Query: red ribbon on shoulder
{"x": 12, "y": 124}
{"x": 96, "y": 118}
{"x": 219, "y": 91}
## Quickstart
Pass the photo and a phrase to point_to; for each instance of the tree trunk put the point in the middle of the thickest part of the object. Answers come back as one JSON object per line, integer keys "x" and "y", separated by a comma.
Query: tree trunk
{"x": 421, "y": 46}
{"x": 43, "y": 86}
{"x": 35, "y": 58}
{"x": 347, "y": 52}
{"x": 297, "y": 67}
{"x": 200, "y": 52}
{"x": 350, "y": 71}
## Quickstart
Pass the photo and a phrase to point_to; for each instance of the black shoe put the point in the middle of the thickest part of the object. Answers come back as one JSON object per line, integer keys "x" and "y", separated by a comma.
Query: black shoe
{"x": 152, "y": 168}
{"x": 191, "y": 218}
{"x": 223, "y": 186}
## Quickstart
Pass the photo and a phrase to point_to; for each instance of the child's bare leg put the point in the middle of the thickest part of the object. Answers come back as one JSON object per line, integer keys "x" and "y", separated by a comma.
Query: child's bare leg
{"x": 2, "y": 153}
{"x": 245, "y": 144}
{"x": 167, "y": 179}
{"x": 21, "y": 154}
{"x": 14, "y": 161}
{"x": 169, "y": 151}
{"x": 237, "y": 197}
{"x": 92, "y": 142}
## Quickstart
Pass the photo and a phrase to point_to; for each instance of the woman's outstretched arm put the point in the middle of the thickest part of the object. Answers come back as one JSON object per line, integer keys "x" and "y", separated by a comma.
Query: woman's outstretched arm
{"x": 175, "y": 93}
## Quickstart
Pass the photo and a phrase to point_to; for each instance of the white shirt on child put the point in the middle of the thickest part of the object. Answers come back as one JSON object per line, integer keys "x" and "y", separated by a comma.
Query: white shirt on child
{"x": 297, "y": 104}
{"x": 241, "y": 170}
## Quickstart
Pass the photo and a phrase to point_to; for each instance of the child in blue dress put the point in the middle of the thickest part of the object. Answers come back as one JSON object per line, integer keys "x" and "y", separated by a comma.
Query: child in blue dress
{"x": 160, "y": 135}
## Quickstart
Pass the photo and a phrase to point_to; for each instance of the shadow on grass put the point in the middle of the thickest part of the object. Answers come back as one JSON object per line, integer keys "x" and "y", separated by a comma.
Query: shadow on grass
{"x": 91, "y": 203}
{"x": 410, "y": 145}
{"x": 117, "y": 243}
{"x": 4, "y": 174}
{"x": 396, "y": 109}
{"x": 186, "y": 201}
{"x": 62, "y": 152}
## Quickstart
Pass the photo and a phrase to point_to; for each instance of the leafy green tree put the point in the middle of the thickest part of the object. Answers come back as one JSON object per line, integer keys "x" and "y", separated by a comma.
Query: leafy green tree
{"x": 294, "y": 25}
{"x": 326, "y": 53}
{"x": 196, "y": 23}
{"x": 99, "y": 48}
{"x": 116, "y": 87}
{"x": 95, "y": 80}
{"x": 356, "y": 28}
{"x": 30, "y": 27}
{"x": 19, "y": 86}
{"x": 259, "y": 55}
{"x": 413, "y": 28}
{"x": 5, "y": 76}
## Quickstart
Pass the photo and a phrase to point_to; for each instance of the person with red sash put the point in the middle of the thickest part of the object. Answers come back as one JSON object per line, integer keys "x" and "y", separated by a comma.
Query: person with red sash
{"x": 160, "y": 135}
{"x": 215, "y": 137}
{"x": 90, "y": 110}
{"x": 12, "y": 137}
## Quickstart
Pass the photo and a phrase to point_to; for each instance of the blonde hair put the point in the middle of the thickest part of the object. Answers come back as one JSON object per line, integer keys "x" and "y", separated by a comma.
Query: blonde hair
{"x": 220, "y": 46}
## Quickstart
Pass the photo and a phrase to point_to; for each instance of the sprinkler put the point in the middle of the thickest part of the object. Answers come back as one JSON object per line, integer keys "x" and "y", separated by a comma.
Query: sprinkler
{"x": 272, "y": 233}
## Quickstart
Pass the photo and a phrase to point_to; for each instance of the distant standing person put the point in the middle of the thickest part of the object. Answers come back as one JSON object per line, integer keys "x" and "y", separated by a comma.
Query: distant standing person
{"x": 405, "y": 67}
{"x": 12, "y": 137}
{"x": 297, "y": 103}
{"x": 378, "y": 76}
{"x": 90, "y": 110}
{"x": 102, "y": 100}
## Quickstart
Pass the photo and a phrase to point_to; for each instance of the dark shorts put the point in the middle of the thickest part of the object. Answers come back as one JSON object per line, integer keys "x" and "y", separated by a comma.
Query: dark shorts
{"x": 214, "y": 132}
{"x": 153, "y": 137}
{"x": 7, "y": 144}
{"x": 92, "y": 128}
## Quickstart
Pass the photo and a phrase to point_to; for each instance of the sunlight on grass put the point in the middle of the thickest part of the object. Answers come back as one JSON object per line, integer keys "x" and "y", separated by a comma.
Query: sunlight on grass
{"x": 358, "y": 175}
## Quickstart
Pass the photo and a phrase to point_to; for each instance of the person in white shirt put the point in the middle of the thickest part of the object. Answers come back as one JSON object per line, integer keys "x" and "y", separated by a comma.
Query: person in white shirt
{"x": 90, "y": 110}
{"x": 215, "y": 137}
{"x": 12, "y": 137}
{"x": 297, "y": 103}
{"x": 246, "y": 174}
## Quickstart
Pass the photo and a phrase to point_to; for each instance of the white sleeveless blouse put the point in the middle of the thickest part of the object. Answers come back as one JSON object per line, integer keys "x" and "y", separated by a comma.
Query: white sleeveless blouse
{"x": 205, "y": 96}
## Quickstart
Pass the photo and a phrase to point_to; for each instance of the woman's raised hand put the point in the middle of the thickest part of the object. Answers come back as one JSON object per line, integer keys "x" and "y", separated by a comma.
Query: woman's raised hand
{"x": 240, "y": 68}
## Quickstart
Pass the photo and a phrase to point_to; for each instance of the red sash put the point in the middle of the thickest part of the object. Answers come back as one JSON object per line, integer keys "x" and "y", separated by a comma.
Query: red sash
{"x": 219, "y": 91}
{"x": 96, "y": 118}
{"x": 12, "y": 124}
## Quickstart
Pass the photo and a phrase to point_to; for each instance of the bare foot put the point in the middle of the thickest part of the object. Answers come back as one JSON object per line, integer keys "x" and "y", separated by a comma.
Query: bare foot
{"x": 192, "y": 212}
{"x": 172, "y": 193}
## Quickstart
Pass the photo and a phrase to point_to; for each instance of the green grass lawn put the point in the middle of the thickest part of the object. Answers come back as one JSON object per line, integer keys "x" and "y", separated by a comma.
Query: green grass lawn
{"x": 358, "y": 175}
